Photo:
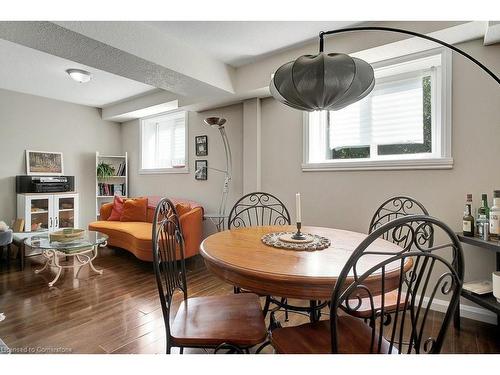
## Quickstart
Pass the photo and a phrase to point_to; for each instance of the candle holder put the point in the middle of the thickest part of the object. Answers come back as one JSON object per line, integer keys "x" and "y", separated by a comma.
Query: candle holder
{"x": 299, "y": 235}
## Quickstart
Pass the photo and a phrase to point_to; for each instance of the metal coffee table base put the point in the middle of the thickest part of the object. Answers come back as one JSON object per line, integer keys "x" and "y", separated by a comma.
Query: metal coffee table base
{"x": 81, "y": 257}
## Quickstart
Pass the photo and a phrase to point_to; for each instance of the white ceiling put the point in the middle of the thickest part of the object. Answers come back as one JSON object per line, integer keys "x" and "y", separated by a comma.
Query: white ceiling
{"x": 33, "y": 72}
{"x": 240, "y": 42}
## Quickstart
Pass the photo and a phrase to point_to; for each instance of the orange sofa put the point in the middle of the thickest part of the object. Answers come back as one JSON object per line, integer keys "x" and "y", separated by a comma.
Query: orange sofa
{"x": 136, "y": 236}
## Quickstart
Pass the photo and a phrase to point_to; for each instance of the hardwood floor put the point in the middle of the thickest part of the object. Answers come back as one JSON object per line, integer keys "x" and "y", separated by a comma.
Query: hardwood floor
{"x": 118, "y": 312}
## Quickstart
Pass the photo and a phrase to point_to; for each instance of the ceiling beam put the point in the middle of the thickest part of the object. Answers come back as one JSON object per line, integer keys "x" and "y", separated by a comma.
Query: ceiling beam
{"x": 142, "y": 106}
{"x": 128, "y": 49}
{"x": 492, "y": 35}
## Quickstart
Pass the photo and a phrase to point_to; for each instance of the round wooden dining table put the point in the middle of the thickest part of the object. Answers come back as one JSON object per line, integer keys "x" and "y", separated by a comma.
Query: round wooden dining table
{"x": 239, "y": 257}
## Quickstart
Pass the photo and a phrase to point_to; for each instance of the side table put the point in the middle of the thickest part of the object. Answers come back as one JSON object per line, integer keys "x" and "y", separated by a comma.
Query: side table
{"x": 83, "y": 250}
{"x": 487, "y": 301}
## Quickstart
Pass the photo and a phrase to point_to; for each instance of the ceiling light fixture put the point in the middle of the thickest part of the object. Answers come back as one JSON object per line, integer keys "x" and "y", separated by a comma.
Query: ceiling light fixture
{"x": 79, "y": 75}
{"x": 335, "y": 80}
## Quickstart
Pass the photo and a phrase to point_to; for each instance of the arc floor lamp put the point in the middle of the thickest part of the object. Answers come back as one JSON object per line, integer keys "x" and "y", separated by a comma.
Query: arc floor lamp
{"x": 219, "y": 218}
{"x": 335, "y": 80}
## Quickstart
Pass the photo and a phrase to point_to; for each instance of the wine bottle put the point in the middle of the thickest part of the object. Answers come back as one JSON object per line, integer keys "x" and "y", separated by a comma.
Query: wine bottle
{"x": 468, "y": 220}
{"x": 483, "y": 215}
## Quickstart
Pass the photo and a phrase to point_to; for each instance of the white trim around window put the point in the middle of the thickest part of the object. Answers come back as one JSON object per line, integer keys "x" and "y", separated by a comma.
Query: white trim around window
{"x": 439, "y": 158}
{"x": 176, "y": 170}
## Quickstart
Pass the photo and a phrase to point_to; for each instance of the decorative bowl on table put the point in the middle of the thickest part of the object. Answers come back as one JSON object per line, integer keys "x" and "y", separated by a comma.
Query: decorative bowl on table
{"x": 66, "y": 235}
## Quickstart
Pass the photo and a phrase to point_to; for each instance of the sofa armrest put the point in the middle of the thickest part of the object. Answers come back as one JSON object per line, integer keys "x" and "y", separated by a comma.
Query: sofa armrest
{"x": 191, "y": 224}
{"x": 105, "y": 211}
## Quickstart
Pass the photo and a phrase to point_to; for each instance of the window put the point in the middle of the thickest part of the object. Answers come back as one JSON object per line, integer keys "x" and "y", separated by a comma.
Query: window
{"x": 163, "y": 143}
{"x": 403, "y": 123}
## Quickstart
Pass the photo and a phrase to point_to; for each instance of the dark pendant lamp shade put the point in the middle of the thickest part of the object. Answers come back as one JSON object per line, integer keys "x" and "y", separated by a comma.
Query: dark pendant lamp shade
{"x": 322, "y": 82}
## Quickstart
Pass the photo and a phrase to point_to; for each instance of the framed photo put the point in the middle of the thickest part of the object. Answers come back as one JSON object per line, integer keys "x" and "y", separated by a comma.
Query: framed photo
{"x": 201, "y": 170}
{"x": 201, "y": 145}
{"x": 44, "y": 163}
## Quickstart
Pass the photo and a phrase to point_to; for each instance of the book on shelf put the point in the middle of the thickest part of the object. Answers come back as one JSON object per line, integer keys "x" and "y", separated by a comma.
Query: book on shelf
{"x": 111, "y": 189}
{"x": 121, "y": 169}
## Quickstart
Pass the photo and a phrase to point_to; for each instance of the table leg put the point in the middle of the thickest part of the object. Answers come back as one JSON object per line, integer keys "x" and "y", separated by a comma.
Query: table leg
{"x": 313, "y": 316}
{"x": 8, "y": 254}
{"x": 47, "y": 262}
{"x": 498, "y": 269}
{"x": 22, "y": 254}
{"x": 94, "y": 253}
{"x": 55, "y": 263}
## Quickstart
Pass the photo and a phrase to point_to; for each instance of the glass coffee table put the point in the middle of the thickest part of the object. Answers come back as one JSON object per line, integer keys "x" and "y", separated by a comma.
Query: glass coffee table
{"x": 83, "y": 250}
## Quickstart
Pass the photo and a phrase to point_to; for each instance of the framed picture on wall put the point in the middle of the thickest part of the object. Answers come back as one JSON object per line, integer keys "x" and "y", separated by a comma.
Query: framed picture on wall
{"x": 201, "y": 170}
{"x": 44, "y": 163}
{"x": 201, "y": 145}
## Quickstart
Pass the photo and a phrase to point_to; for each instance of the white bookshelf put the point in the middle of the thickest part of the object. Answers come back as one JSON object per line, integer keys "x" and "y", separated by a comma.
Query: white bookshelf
{"x": 115, "y": 161}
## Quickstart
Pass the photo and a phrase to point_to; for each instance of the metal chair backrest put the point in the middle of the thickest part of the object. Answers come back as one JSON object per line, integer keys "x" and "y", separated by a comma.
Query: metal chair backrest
{"x": 168, "y": 259}
{"x": 256, "y": 209}
{"x": 436, "y": 273}
{"x": 394, "y": 208}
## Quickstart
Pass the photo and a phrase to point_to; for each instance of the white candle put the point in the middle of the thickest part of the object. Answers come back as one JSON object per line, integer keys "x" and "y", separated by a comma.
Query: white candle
{"x": 297, "y": 208}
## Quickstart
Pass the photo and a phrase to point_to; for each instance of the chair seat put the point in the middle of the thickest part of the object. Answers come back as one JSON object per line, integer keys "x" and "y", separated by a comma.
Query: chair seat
{"x": 315, "y": 338}
{"x": 210, "y": 321}
{"x": 390, "y": 304}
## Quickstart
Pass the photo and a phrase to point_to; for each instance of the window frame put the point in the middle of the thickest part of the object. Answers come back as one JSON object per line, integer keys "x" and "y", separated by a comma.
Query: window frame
{"x": 442, "y": 133}
{"x": 181, "y": 170}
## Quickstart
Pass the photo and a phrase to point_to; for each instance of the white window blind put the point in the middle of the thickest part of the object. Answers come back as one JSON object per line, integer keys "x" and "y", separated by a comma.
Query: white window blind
{"x": 164, "y": 141}
{"x": 391, "y": 114}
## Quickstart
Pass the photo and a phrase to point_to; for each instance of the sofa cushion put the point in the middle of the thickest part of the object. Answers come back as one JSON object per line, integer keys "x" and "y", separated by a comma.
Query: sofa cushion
{"x": 135, "y": 210}
{"x": 127, "y": 235}
{"x": 136, "y": 235}
{"x": 117, "y": 210}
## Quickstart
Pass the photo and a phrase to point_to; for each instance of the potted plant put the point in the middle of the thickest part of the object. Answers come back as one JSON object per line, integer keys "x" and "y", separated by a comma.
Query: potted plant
{"x": 105, "y": 170}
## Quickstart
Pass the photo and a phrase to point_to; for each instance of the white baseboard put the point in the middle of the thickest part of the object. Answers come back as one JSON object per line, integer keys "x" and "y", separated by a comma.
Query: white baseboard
{"x": 466, "y": 311}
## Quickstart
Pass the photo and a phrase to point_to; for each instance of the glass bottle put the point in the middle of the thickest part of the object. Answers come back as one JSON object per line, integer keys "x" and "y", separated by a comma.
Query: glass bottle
{"x": 468, "y": 221}
{"x": 495, "y": 216}
{"x": 483, "y": 215}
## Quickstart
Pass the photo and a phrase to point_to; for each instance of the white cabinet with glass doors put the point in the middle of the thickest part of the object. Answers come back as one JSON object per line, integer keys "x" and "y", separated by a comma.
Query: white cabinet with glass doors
{"x": 48, "y": 211}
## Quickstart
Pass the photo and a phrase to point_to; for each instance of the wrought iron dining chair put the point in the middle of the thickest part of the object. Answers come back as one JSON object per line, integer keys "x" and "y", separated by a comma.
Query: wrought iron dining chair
{"x": 394, "y": 208}
{"x": 389, "y": 210}
{"x": 255, "y": 209}
{"x": 232, "y": 322}
{"x": 259, "y": 209}
{"x": 436, "y": 273}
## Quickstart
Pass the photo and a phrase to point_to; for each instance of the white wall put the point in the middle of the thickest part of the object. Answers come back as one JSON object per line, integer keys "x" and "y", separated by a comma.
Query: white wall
{"x": 180, "y": 185}
{"x": 36, "y": 123}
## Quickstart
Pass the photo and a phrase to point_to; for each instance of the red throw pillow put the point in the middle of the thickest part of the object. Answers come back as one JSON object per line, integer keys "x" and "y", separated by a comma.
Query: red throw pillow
{"x": 117, "y": 210}
{"x": 135, "y": 209}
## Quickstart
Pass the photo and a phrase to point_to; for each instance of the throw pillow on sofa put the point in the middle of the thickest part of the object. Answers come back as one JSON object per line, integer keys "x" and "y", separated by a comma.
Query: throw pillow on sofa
{"x": 117, "y": 210}
{"x": 135, "y": 209}
{"x": 182, "y": 208}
